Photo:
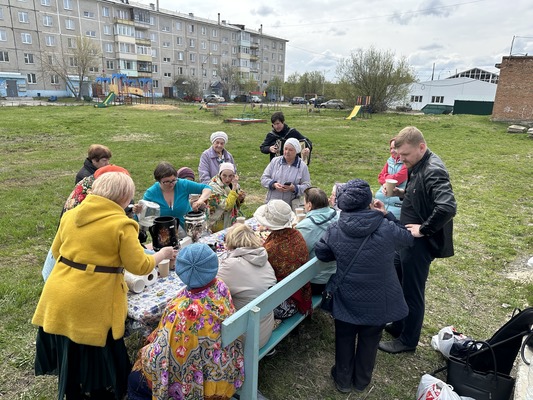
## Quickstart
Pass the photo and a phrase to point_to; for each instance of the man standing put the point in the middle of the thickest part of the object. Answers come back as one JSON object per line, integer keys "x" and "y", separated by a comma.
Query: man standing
{"x": 427, "y": 211}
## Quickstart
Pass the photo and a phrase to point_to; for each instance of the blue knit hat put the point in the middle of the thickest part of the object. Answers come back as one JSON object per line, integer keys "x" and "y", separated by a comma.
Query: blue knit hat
{"x": 196, "y": 265}
{"x": 354, "y": 195}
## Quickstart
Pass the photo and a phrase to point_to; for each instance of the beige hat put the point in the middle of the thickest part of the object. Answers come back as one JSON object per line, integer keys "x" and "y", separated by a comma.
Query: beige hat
{"x": 226, "y": 165}
{"x": 275, "y": 215}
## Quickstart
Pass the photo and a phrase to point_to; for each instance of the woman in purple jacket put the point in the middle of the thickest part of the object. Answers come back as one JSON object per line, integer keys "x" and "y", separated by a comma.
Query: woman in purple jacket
{"x": 370, "y": 294}
{"x": 211, "y": 158}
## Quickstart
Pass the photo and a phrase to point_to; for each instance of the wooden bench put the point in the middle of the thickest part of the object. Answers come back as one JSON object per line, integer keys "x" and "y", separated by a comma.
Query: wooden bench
{"x": 247, "y": 320}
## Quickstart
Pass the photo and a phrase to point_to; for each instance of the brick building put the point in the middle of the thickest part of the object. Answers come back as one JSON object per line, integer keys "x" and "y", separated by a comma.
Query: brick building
{"x": 514, "y": 95}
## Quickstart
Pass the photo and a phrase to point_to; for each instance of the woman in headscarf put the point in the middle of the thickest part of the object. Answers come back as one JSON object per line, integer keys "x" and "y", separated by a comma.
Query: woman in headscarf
{"x": 215, "y": 155}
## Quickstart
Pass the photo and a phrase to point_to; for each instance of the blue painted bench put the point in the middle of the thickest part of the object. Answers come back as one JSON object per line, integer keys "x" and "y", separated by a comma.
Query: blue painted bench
{"x": 247, "y": 319}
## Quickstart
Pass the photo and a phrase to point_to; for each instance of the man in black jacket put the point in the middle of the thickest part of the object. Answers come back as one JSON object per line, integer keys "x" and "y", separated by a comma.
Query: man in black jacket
{"x": 427, "y": 211}
{"x": 276, "y": 138}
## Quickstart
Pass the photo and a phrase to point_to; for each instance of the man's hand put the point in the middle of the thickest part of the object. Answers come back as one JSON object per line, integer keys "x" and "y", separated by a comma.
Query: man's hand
{"x": 414, "y": 229}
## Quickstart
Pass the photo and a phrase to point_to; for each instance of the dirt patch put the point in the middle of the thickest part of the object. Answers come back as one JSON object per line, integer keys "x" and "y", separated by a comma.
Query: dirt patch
{"x": 158, "y": 107}
{"x": 519, "y": 270}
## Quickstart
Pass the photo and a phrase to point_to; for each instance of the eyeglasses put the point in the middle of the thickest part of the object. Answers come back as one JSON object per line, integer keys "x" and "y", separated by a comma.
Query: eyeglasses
{"x": 169, "y": 182}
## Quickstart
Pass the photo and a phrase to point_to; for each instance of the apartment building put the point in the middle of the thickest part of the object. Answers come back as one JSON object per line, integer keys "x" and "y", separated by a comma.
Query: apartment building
{"x": 136, "y": 40}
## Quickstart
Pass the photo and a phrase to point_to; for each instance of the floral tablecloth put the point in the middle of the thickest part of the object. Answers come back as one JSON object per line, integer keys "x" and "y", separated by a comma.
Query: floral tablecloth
{"x": 145, "y": 308}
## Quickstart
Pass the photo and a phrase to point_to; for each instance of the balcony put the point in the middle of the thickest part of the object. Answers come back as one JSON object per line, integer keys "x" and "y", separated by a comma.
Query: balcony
{"x": 254, "y": 45}
{"x": 143, "y": 42}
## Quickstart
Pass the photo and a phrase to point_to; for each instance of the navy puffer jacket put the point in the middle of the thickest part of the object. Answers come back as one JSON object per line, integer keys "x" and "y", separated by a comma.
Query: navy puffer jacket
{"x": 370, "y": 293}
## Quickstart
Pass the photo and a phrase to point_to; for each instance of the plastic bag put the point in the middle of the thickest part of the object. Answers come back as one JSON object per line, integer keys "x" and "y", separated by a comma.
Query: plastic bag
{"x": 431, "y": 388}
{"x": 446, "y": 338}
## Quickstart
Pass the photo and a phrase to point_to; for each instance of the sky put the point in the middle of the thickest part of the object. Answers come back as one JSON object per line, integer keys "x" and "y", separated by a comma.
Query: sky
{"x": 437, "y": 37}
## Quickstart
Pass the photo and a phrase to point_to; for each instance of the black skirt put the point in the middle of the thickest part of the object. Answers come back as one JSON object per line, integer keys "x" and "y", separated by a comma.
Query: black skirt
{"x": 83, "y": 368}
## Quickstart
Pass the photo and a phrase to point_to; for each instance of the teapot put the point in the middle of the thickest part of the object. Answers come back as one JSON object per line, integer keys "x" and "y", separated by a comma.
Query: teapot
{"x": 149, "y": 212}
{"x": 163, "y": 233}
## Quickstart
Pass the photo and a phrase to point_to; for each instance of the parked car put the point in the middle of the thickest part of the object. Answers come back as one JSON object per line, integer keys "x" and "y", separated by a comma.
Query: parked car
{"x": 195, "y": 99}
{"x": 256, "y": 99}
{"x": 334, "y": 103}
{"x": 319, "y": 100}
{"x": 214, "y": 98}
{"x": 241, "y": 98}
{"x": 298, "y": 100}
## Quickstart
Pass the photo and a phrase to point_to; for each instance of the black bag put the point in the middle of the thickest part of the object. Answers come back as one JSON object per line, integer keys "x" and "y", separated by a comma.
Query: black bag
{"x": 480, "y": 385}
{"x": 327, "y": 301}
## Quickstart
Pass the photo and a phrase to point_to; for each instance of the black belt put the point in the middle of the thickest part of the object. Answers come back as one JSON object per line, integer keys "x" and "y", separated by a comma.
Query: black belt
{"x": 97, "y": 268}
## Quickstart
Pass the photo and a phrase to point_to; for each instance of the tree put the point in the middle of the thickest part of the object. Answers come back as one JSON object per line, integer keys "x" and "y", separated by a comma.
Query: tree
{"x": 229, "y": 78}
{"x": 73, "y": 64}
{"x": 188, "y": 88}
{"x": 275, "y": 89}
{"x": 291, "y": 86}
{"x": 377, "y": 74}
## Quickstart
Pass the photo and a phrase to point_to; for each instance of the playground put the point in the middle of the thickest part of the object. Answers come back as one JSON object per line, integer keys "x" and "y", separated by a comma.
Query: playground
{"x": 119, "y": 89}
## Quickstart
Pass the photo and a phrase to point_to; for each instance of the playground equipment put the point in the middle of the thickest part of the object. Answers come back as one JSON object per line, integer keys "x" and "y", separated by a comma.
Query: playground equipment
{"x": 121, "y": 89}
{"x": 362, "y": 106}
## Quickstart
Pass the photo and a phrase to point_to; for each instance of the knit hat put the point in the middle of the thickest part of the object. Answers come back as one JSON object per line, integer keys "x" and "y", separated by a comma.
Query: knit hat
{"x": 294, "y": 143}
{"x": 226, "y": 165}
{"x": 275, "y": 215}
{"x": 110, "y": 168}
{"x": 219, "y": 135}
{"x": 186, "y": 173}
{"x": 196, "y": 265}
{"x": 354, "y": 195}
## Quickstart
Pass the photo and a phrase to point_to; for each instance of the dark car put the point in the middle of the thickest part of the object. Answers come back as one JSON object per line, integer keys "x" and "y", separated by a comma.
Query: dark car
{"x": 334, "y": 103}
{"x": 298, "y": 100}
{"x": 241, "y": 98}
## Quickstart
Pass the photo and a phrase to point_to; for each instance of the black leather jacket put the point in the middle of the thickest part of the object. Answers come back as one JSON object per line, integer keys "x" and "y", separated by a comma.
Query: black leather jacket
{"x": 431, "y": 195}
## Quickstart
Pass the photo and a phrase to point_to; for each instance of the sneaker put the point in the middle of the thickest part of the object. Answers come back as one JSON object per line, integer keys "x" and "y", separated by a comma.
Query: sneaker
{"x": 337, "y": 386}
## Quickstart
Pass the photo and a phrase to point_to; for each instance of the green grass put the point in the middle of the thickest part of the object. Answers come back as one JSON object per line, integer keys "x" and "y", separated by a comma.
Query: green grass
{"x": 44, "y": 147}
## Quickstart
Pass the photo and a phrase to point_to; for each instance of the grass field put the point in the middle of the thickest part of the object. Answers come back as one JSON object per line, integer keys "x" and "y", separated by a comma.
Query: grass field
{"x": 476, "y": 290}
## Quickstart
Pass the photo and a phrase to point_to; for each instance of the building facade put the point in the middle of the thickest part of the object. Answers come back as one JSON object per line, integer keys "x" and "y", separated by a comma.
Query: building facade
{"x": 135, "y": 40}
{"x": 514, "y": 97}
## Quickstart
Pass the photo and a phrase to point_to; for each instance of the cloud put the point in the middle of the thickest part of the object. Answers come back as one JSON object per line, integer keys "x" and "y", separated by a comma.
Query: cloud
{"x": 434, "y": 8}
{"x": 263, "y": 11}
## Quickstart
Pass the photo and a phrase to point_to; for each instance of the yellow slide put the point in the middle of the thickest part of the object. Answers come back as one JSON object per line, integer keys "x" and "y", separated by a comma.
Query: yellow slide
{"x": 354, "y": 112}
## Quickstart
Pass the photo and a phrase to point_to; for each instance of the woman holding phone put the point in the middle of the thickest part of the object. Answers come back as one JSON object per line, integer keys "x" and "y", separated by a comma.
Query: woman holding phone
{"x": 287, "y": 176}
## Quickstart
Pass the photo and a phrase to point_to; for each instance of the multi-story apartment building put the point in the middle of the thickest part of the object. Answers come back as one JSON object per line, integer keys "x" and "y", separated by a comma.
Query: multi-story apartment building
{"x": 140, "y": 41}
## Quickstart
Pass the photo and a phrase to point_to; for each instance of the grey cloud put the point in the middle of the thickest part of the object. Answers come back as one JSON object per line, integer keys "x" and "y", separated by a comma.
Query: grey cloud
{"x": 263, "y": 11}
{"x": 428, "y": 8}
{"x": 430, "y": 47}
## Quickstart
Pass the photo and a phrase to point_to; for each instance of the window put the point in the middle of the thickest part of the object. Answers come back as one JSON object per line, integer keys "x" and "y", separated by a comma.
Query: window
{"x": 179, "y": 70}
{"x": 167, "y": 74}
{"x": 204, "y": 73}
{"x": 88, "y": 14}
{"x": 193, "y": 72}
{"x": 280, "y": 57}
{"x": 179, "y": 41}
{"x": 144, "y": 50}
{"x": 71, "y": 43}
{"x": 54, "y": 79}
{"x": 4, "y": 56}
{"x": 23, "y": 17}
{"x": 107, "y": 30}
{"x": 126, "y": 48}
{"x": 178, "y": 25}
{"x": 28, "y": 58}
{"x": 122, "y": 14}
{"x": 32, "y": 78}
{"x": 215, "y": 32}
{"x": 214, "y": 72}
{"x": 110, "y": 64}
{"x": 45, "y": 3}
{"x": 416, "y": 99}
{"x": 72, "y": 61}
{"x": 154, "y": 52}
{"x": 280, "y": 68}
{"x": 3, "y": 35}
{"x": 93, "y": 69}
{"x": 67, "y": 4}
{"x": 165, "y": 28}
{"x": 1, "y": 13}
{"x": 69, "y": 24}
{"x": 166, "y": 44}
{"x": 26, "y": 38}
{"x": 214, "y": 60}
{"x": 126, "y": 64}
{"x": 179, "y": 56}
{"x": 273, "y": 45}
{"x": 155, "y": 83}
{"x": 203, "y": 45}
{"x": 48, "y": 20}
{"x": 437, "y": 99}
{"x": 191, "y": 28}
{"x": 90, "y": 33}
{"x": 192, "y": 57}
{"x": 154, "y": 68}
{"x": 214, "y": 46}
{"x": 153, "y": 37}
{"x": 152, "y": 20}
{"x": 108, "y": 47}
{"x": 204, "y": 30}
{"x": 191, "y": 42}
{"x": 166, "y": 59}
{"x": 50, "y": 40}
{"x": 105, "y": 11}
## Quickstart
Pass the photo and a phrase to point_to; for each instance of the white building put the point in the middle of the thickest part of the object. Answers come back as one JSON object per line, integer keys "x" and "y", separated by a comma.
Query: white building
{"x": 137, "y": 40}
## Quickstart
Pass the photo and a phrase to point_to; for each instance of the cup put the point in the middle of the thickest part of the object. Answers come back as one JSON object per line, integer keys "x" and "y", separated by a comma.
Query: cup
{"x": 300, "y": 217}
{"x": 240, "y": 220}
{"x": 299, "y": 210}
{"x": 390, "y": 184}
{"x": 164, "y": 267}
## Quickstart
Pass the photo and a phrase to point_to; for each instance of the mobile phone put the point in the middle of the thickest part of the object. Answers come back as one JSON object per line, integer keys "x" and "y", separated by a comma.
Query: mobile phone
{"x": 287, "y": 184}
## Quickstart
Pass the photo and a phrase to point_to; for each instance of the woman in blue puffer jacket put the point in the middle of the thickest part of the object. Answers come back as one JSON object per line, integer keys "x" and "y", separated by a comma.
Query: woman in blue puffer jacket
{"x": 370, "y": 294}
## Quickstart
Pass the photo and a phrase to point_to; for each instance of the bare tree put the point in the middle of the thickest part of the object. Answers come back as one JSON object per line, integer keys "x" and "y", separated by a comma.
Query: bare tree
{"x": 375, "y": 73}
{"x": 188, "y": 88}
{"x": 73, "y": 62}
{"x": 229, "y": 78}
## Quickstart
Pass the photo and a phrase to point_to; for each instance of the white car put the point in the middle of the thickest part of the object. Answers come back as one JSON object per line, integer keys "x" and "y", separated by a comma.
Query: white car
{"x": 256, "y": 99}
{"x": 214, "y": 98}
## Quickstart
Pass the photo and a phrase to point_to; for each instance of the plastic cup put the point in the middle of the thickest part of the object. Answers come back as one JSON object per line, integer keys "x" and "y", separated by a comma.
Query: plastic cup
{"x": 240, "y": 220}
{"x": 390, "y": 184}
{"x": 164, "y": 267}
{"x": 299, "y": 210}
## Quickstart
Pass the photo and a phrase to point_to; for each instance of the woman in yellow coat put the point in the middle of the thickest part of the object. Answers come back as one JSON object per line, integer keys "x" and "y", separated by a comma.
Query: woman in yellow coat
{"x": 83, "y": 306}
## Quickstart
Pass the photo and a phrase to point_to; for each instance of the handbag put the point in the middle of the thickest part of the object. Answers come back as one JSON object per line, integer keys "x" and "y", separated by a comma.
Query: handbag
{"x": 481, "y": 385}
{"x": 327, "y": 295}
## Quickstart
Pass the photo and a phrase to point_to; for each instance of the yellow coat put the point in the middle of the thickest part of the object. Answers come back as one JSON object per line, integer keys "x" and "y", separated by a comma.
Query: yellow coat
{"x": 84, "y": 305}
